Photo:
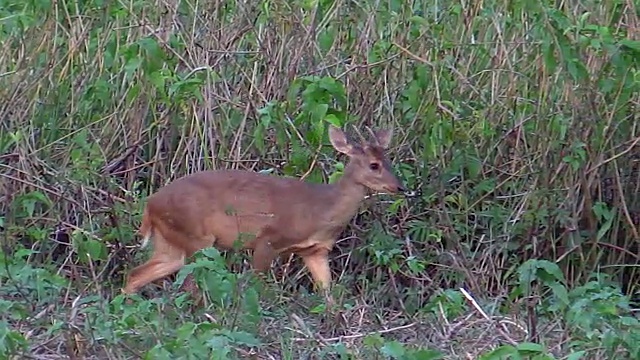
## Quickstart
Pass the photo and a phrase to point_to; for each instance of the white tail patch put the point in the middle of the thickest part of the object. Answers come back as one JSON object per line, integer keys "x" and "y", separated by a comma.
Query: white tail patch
{"x": 145, "y": 241}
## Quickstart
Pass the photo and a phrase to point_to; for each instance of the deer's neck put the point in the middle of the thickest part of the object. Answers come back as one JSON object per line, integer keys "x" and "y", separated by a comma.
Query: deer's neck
{"x": 348, "y": 195}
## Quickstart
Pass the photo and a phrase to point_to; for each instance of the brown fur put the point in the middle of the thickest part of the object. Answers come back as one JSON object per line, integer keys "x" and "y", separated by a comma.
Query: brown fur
{"x": 268, "y": 214}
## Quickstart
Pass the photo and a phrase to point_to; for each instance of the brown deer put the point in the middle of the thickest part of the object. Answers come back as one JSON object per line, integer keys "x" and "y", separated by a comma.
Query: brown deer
{"x": 280, "y": 215}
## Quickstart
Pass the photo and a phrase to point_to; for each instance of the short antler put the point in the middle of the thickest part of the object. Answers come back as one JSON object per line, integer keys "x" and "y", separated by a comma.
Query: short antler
{"x": 360, "y": 137}
{"x": 372, "y": 135}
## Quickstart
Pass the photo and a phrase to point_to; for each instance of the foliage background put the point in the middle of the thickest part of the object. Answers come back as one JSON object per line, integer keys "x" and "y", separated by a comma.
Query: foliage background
{"x": 517, "y": 122}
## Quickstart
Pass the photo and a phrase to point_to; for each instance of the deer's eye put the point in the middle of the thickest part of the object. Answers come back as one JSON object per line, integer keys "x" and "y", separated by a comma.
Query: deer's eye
{"x": 374, "y": 166}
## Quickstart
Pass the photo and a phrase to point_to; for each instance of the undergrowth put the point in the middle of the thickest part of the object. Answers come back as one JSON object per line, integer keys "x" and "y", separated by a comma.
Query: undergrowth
{"x": 515, "y": 122}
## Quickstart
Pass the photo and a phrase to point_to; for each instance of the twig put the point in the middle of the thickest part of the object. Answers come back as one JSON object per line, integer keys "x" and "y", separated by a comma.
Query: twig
{"x": 356, "y": 336}
{"x": 501, "y": 329}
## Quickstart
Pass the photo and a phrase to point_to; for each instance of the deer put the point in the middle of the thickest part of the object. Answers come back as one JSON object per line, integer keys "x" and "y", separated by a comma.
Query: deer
{"x": 277, "y": 215}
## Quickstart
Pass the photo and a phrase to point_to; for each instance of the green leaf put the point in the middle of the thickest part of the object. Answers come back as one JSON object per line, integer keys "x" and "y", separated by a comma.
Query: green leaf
{"x": 426, "y": 354}
{"x": 333, "y": 177}
{"x": 95, "y": 249}
{"x": 187, "y": 330}
{"x": 576, "y": 355}
{"x": 560, "y": 291}
{"x": 530, "y": 347}
{"x": 326, "y": 38}
{"x": 318, "y": 309}
{"x": 474, "y": 166}
{"x": 373, "y": 340}
{"x": 157, "y": 78}
{"x": 132, "y": 65}
{"x": 552, "y": 269}
{"x": 633, "y": 44}
{"x": 220, "y": 345}
{"x": 577, "y": 70}
{"x": 502, "y": 352}
{"x": 29, "y": 206}
{"x": 485, "y": 186}
{"x": 244, "y": 338}
{"x": 333, "y": 120}
{"x": 393, "y": 349}
{"x": 419, "y": 20}
{"x": 318, "y": 112}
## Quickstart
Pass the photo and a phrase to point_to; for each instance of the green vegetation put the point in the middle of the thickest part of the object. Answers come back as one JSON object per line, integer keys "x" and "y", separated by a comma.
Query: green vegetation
{"x": 518, "y": 122}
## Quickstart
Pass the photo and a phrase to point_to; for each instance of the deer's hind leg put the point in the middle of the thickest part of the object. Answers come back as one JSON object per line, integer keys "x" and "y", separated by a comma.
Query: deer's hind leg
{"x": 166, "y": 260}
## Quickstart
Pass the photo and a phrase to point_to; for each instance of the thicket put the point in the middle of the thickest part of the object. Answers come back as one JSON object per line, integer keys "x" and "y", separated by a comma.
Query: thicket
{"x": 515, "y": 121}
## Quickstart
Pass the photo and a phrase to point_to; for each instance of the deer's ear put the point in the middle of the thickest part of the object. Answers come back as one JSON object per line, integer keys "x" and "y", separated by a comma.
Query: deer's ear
{"x": 339, "y": 140}
{"x": 383, "y": 137}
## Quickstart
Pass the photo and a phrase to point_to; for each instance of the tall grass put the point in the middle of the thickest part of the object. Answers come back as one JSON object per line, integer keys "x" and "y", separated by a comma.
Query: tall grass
{"x": 516, "y": 122}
